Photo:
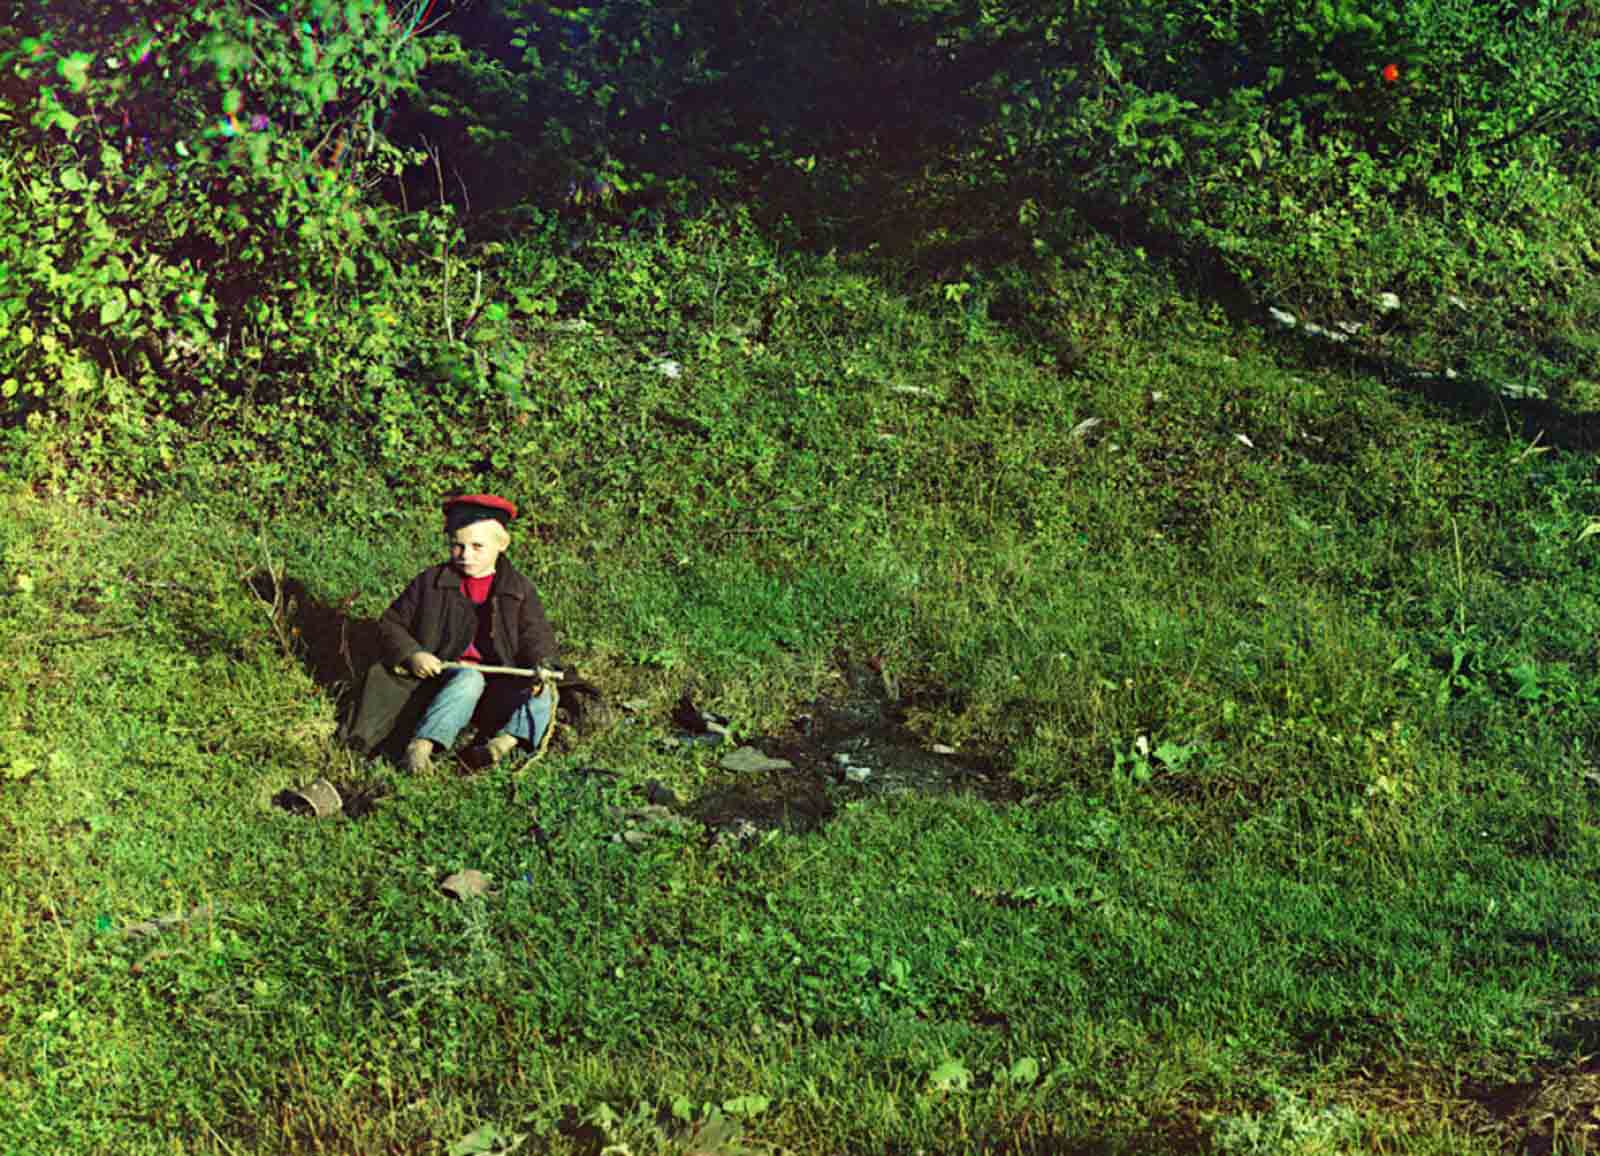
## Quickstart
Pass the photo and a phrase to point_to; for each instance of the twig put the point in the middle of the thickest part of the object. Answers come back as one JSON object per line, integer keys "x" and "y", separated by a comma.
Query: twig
{"x": 277, "y": 608}
{"x": 438, "y": 172}
{"x": 476, "y": 307}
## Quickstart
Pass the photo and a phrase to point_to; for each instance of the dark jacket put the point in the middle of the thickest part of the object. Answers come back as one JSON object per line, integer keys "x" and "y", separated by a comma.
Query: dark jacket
{"x": 432, "y": 614}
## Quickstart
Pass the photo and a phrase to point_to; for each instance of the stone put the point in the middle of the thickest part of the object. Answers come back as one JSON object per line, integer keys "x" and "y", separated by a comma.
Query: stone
{"x": 465, "y": 884}
{"x": 737, "y": 832}
{"x": 854, "y": 774}
{"x": 659, "y": 794}
{"x": 748, "y": 760}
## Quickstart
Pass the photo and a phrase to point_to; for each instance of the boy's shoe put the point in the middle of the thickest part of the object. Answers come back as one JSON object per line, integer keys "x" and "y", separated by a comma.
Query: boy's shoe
{"x": 490, "y": 752}
{"x": 419, "y": 756}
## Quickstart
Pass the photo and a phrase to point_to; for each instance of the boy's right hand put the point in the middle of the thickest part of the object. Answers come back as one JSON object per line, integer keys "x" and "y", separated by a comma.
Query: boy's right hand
{"x": 424, "y": 664}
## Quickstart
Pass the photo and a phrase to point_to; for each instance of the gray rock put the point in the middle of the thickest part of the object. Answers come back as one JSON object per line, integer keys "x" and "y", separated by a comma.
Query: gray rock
{"x": 747, "y": 760}
{"x": 466, "y": 884}
{"x": 659, "y": 794}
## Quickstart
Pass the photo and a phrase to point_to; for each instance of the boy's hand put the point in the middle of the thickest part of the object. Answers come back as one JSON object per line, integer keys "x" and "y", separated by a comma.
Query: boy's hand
{"x": 424, "y": 665}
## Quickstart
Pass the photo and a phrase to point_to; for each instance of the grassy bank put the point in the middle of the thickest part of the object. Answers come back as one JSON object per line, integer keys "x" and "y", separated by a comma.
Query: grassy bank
{"x": 1294, "y": 673}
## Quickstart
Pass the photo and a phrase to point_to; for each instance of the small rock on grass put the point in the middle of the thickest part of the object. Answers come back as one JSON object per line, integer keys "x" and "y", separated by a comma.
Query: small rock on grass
{"x": 746, "y": 760}
{"x": 465, "y": 884}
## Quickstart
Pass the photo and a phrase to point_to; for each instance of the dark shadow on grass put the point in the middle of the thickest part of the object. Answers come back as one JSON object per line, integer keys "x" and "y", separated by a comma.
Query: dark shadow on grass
{"x": 1472, "y": 398}
{"x": 333, "y": 645}
{"x": 980, "y": 236}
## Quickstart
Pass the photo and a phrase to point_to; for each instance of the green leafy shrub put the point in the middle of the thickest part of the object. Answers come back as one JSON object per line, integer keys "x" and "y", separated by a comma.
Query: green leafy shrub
{"x": 182, "y": 216}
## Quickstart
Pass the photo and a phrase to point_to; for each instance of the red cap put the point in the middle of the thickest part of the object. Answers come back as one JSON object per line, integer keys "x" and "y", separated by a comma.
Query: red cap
{"x": 465, "y": 509}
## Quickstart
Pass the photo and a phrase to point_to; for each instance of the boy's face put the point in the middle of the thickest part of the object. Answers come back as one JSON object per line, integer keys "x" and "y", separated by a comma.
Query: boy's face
{"x": 474, "y": 549}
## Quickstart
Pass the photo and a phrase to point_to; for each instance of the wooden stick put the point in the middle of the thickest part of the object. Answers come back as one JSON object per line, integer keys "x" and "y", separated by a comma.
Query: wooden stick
{"x": 521, "y": 672}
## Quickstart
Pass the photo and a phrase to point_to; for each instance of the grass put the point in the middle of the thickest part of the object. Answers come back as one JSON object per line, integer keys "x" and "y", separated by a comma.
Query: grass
{"x": 1294, "y": 669}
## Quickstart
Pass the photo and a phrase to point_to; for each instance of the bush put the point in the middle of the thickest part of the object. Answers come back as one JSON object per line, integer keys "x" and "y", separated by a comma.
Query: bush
{"x": 181, "y": 215}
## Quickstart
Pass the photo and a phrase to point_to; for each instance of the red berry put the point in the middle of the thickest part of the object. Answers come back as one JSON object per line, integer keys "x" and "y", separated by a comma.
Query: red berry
{"x": 1391, "y": 72}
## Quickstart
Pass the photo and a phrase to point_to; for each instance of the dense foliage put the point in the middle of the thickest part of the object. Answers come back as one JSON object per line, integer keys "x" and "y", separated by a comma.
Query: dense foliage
{"x": 188, "y": 219}
{"x": 218, "y": 217}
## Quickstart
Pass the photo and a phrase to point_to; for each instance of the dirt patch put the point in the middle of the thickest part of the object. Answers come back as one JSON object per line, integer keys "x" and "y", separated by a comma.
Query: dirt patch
{"x": 1557, "y": 1110}
{"x": 852, "y": 746}
{"x": 335, "y": 645}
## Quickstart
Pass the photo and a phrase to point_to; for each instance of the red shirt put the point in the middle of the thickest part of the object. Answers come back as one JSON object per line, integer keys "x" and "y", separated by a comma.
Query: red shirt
{"x": 477, "y": 592}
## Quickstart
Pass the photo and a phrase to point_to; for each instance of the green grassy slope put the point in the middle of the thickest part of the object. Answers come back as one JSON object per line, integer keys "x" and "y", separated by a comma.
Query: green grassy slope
{"x": 1296, "y": 672}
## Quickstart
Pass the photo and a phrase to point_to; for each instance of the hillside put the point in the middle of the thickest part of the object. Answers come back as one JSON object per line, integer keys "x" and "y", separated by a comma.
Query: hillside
{"x": 1189, "y": 716}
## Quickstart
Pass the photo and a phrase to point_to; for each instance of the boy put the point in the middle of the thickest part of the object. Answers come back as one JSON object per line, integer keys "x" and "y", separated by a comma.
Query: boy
{"x": 474, "y": 609}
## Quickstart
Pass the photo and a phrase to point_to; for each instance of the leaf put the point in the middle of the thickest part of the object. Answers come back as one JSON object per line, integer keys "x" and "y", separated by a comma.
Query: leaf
{"x": 468, "y": 884}
{"x": 1589, "y": 531}
{"x": 1025, "y": 1070}
{"x": 113, "y": 307}
{"x": 486, "y": 1138}
{"x": 1526, "y": 676}
{"x": 1174, "y": 755}
{"x": 73, "y": 179}
{"x": 749, "y": 1105}
{"x": 950, "y": 1076}
{"x": 75, "y": 70}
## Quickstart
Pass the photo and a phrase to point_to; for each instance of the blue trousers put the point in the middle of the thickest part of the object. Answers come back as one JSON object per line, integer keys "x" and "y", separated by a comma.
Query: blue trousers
{"x": 510, "y": 706}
